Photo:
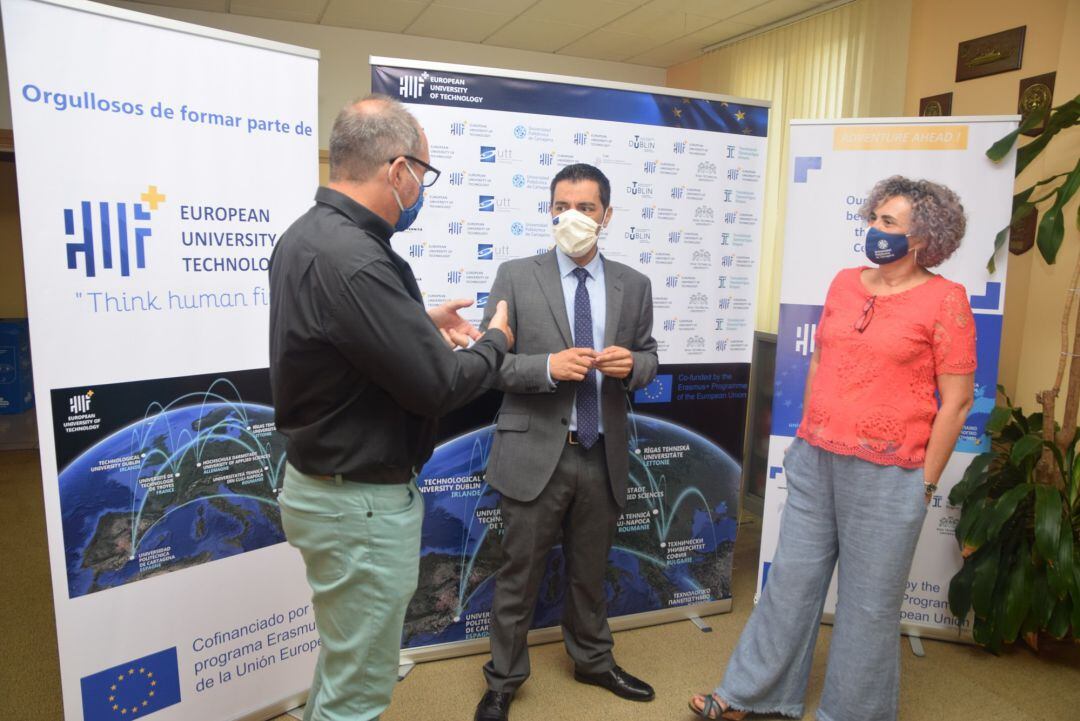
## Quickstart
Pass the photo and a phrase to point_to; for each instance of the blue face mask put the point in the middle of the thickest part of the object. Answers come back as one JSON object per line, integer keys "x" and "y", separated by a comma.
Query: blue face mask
{"x": 408, "y": 215}
{"x": 883, "y": 248}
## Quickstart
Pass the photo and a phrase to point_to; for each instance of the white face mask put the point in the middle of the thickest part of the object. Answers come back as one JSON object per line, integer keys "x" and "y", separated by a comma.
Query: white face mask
{"x": 575, "y": 233}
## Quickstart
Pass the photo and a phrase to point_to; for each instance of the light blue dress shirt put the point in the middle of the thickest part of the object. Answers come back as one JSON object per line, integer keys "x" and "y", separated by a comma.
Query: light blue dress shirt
{"x": 598, "y": 304}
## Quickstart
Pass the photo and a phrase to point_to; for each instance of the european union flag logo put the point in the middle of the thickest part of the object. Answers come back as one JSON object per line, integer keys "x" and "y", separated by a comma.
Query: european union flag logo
{"x": 133, "y": 689}
{"x": 659, "y": 391}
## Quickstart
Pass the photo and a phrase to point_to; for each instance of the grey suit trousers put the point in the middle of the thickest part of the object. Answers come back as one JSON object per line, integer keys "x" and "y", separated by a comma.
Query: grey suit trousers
{"x": 578, "y": 505}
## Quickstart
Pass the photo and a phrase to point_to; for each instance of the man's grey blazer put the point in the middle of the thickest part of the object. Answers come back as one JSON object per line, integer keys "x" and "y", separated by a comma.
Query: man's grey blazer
{"x": 534, "y": 418}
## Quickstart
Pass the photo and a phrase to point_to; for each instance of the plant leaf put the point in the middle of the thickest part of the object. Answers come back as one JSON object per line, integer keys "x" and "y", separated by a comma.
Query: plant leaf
{"x": 1017, "y": 599}
{"x": 1051, "y": 232}
{"x": 1058, "y": 625}
{"x": 976, "y": 473}
{"x": 1047, "y": 521}
{"x": 999, "y": 418}
{"x": 1024, "y": 448}
{"x": 984, "y": 579}
{"x": 1005, "y": 508}
{"x": 1001, "y": 148}
{"x": 1042, "y": 603}
{"x": 960, "y": 590}
{"x": 1061, "y": 572}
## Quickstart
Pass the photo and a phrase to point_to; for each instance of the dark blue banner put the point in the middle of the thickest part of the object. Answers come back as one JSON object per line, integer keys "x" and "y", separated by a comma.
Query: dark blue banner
{"x": 436, "y": 87}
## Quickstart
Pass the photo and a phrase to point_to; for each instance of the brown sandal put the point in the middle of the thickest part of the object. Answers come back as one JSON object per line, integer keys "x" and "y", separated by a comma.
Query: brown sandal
{"x": 713, "y": 711}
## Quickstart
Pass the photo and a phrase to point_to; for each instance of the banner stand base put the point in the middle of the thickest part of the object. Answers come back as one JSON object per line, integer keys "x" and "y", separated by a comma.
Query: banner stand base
{"x": 702, "y": 626}
{"x": 405, "y": 666}
{"x": 916, "y": 646}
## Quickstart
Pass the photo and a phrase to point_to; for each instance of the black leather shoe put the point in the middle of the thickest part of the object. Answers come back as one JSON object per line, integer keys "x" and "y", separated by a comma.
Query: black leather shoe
{"x": 619, "y": 682}
{"x": 495, "y": 706}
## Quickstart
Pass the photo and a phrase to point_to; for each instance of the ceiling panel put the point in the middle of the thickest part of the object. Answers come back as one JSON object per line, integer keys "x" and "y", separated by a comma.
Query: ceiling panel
{"x": 532, "y": 34}
{"x": 658, "y": 33}
{"x": 470, "y": 26}
{"x": 716, "y": 9}
{"x": 774, "y": 11}
{"x": 294, "y": 10}
{"x": 388, "y": 17}
{"x": 214, "y": 6}
{"x": 671, "y": 53}
{"x": 599, "y": 12}
{"x": 658, "y": 23}
{"x": 501, "y": 7}
{"x": 606, "y": 45}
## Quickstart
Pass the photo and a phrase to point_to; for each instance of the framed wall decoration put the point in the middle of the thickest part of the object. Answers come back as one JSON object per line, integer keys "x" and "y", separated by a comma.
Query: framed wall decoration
{"x": 1036, "y": 93}
{"x": 936, "y": 105}
{"x": 990, "y": 54}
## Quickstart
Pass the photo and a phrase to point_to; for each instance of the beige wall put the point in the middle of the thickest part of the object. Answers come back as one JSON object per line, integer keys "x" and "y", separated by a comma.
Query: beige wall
{"x": 1035, "y": 292}
{"x": 12, "y": 289}
{"x": 343, "y": 68}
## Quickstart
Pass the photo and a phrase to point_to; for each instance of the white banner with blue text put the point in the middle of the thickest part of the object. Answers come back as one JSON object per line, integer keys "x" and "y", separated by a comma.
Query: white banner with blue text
{"x": 834, "y": 165}
{"x": 158, "y": 163}
{"x": 687, "y": 182}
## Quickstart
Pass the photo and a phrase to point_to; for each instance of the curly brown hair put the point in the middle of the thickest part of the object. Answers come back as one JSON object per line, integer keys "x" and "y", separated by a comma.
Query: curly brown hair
{"x": 937, "y": 215}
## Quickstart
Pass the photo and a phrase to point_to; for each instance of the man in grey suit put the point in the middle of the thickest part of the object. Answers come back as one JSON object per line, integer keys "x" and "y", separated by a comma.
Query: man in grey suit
{"x": 583, "y": 328}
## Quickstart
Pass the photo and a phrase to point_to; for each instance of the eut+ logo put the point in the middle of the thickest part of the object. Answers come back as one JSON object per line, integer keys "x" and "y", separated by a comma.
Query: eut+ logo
{"x": 454, "y": 276}
{"x": 645, "y": 257}
{"x": 457, "y": 128}
{"x": 455, "y": 227}
{"x": 131, "y": 224}
{"x": 679, "y": 147}
{"x": 457, "y": 178}
{"x": 412, "y": 86}
{"x": 804, "y": 339}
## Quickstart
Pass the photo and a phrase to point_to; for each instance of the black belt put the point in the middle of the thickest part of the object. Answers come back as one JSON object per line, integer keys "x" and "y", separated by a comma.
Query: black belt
{"x": 573, "y": 439}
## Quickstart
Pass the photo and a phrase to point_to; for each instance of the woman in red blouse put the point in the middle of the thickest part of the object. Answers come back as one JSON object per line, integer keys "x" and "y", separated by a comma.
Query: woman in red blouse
{"x": 872, "y": 444}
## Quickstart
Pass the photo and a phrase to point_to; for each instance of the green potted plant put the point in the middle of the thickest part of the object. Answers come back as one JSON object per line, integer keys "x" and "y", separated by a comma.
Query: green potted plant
{"x": 1019, "y": 528}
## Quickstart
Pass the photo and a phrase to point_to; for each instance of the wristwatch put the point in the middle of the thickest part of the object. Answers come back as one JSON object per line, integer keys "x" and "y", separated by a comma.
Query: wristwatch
{"x": 931, "y": 488}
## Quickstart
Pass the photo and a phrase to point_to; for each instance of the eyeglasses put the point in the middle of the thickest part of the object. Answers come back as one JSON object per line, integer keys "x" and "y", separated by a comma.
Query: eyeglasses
{"x": 867, "y": 315}
{"x": 431, "y": 174}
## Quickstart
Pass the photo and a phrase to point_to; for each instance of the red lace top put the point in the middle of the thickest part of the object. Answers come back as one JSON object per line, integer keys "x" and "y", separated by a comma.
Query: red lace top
{"x": 873, "y": 392}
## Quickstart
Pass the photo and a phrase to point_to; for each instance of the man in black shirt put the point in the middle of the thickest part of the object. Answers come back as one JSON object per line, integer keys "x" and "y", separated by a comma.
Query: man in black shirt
{"x": 360, "y": 373}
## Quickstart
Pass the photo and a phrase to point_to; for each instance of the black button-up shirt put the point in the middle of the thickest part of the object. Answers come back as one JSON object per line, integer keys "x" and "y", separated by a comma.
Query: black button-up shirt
{"x": 359, "y": 371}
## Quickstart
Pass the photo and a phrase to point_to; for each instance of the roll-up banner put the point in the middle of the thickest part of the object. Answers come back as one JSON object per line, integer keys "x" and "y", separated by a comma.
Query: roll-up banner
{"x": 157, "y": 164}
{"x": 833, "y": 166}
{"x": 687, "y": 175}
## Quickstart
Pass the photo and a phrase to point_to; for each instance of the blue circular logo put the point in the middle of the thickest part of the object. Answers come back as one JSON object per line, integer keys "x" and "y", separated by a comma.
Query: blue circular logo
{"x": 519, "y": 132}
{"x": 517, "y": 228}
{"x": 519, "y": 181}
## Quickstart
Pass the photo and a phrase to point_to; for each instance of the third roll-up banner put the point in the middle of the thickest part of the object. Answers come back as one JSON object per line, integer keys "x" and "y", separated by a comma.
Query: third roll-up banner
{"x": 833, "y": 166}
{"x": 687, "y": 175}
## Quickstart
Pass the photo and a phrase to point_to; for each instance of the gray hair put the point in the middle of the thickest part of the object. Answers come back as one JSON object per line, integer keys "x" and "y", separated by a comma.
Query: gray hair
{"x": 937, "y": 215}
{"x": 367, "y": 133}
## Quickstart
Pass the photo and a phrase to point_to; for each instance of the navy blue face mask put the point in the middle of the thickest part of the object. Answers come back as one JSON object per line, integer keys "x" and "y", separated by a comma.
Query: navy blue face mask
{"x": 408, "y": 215}
{"x": 883, "y": 248}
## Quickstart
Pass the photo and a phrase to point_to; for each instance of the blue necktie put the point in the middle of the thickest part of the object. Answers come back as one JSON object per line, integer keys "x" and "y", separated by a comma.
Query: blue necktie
{"x": 588, "y": 410}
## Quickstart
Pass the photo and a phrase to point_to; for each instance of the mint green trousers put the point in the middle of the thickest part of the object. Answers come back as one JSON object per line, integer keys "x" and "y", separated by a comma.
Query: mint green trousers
{"x": 361, "y": 547}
